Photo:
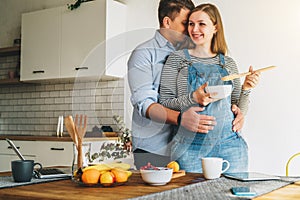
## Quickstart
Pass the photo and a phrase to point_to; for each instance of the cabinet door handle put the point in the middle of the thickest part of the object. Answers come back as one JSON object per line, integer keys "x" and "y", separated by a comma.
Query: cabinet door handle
{"x": 38, "y": 72}
{"x": 79, "y": 68}
{"x": 57, "y": 149}
{"x": 11, "y": 147}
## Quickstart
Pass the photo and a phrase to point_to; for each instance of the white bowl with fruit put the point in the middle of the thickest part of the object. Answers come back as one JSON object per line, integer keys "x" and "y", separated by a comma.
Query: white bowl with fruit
{"x": 156, "y": 175}
{"x": 159, "y": 176}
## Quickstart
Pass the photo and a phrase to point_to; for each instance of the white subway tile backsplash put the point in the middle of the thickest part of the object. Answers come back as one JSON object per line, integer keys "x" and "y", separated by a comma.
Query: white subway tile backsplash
{"x": 107, "y": 91}
{"x": 101, "y": 99}
{"x": 17, "y": 95}
{"x": 54, "y": 93}
{"x": 64, "y": 93}
{"x": 45, "y": 94}
{"x": 59, "y": 87}
{"x": 21, "y": 101}
{"x": 49, "y": 87}
{"x": 35, "y": 95}
{"x": 48, "y": 101}
{"x": 69, "y": 86}
{"x": 68, "y": 100}
{"x": 59, "y": 100}
{"x": 33, "y": 109}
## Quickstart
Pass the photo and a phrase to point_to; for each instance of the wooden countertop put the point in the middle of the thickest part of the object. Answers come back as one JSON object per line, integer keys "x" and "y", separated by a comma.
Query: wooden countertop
{"x": 289, "y": 192}
{"x": 51, "y": 138}
{"x": 68, "y": 190}
{"x": 135, "y": 187}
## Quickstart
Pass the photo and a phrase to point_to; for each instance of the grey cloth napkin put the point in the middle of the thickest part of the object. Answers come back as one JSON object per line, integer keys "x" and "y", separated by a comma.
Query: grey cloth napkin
{"x": 8, "y": 181}
{"x": 219, "y": 189}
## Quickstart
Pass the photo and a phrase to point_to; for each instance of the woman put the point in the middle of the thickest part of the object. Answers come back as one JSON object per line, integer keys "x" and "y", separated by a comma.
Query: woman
{"x": 184, "y": 78}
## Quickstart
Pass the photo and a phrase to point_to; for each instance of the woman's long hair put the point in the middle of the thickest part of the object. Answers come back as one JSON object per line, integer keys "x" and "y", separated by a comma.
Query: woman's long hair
{"x": 218, "y": 43}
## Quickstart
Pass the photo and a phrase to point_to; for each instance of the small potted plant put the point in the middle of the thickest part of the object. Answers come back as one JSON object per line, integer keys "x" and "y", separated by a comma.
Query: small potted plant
{"x": 124, "y": 133}
{"x": 76, "y": 4}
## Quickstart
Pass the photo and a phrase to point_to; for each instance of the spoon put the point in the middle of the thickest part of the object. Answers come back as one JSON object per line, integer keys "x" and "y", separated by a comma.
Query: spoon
{"x": 234, "y": 76}
{"x": 71, "y": 129}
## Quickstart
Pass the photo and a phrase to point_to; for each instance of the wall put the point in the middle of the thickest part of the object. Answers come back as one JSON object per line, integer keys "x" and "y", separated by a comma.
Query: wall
{"x": 11, "y": 10}
{"x": 263, "y": 33}
{"x": 33, "y": 108}
{"x": 259, "y": 33}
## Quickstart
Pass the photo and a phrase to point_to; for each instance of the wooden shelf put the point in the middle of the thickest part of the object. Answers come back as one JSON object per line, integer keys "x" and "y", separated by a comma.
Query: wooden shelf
{"x": 10, "y": 51}
{"x": 10, "y": 81}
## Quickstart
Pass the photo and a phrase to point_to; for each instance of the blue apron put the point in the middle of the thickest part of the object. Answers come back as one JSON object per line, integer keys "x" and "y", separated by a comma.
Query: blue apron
{"x": 189, "y": 147}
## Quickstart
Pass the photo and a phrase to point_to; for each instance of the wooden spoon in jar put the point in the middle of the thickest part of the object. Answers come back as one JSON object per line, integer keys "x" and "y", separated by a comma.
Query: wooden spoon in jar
{"x": 80, "y": 130}
{"x": 71, "y": 129}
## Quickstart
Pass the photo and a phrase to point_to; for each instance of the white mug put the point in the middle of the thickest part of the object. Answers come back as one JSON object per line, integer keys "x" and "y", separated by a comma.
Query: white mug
{"x": 212, "y": 167}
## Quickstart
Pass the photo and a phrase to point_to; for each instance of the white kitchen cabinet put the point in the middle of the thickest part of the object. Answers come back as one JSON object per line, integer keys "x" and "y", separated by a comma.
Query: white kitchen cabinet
{"x": 7, "y": 154}
{"x": 48, "y": 153}
{"x": 41, "y": 44}
{"x": 82, "y": 31}
{"x": 79, "y": 46}
{"x": 59, "y": 153}
{"x": 54, "y": 153}
{"x": 5, "y": 161}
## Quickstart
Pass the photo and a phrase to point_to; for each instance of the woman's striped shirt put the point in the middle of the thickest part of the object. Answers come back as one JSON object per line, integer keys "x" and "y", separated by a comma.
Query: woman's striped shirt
{"x": 173, "y": 84}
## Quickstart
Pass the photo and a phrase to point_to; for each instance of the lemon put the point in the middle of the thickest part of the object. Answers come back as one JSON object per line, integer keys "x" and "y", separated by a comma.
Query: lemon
{"x": 173, "y": 165}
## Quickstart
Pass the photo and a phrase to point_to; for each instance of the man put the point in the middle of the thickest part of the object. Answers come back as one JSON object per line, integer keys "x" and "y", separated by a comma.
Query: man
{"x": 152, "y": 128}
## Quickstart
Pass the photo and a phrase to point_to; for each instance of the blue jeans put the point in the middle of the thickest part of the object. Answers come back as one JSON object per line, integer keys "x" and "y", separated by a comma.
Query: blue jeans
{"x": 232, "y": 148}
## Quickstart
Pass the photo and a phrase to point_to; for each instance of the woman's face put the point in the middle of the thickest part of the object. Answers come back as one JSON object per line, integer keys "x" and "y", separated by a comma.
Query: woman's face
{"x": 201, "y": 29}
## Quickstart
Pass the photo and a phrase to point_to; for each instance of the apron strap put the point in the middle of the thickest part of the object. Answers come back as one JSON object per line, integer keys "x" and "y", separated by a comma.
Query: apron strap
{"x": 187, "y": 55}
{"x": 222, "y": 59}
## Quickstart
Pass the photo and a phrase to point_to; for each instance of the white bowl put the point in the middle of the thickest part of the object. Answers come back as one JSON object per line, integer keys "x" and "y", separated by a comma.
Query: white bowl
{"x": 219, "y": 91}
{"x": 157, "y": 177}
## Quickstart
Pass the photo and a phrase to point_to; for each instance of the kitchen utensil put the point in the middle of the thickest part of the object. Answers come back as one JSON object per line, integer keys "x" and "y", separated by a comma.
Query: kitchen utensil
{"x": 80, "y": 130}
{"x": 234, "y": 76}
{"x": 58, "y": 127}
{"x": 60, "y": 124}
{"x": 13, "y": 146}
{"x": 71, "y": 129}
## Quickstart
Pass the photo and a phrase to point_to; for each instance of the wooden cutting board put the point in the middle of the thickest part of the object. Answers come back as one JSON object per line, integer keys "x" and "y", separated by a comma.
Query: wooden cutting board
{"x": 178, "y": 174}
{"x": 110, "y": 134}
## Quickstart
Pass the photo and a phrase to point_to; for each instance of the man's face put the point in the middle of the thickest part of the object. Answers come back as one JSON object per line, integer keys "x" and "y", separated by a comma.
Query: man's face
{"x": 178, "y": 25}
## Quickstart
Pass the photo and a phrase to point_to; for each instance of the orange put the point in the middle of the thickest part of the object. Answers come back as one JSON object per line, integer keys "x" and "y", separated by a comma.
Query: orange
{"x": 91, "y": 176}
{"x": 120, "y": 174}
{"x": 107, "y": 179}
{"x": 173, "y": 165}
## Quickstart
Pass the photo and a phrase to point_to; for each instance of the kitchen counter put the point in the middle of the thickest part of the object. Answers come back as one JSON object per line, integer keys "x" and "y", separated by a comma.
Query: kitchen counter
{"x": 51, "y": 138}
{"x": 135, "y": 187}
{"x": 67, "y": 189}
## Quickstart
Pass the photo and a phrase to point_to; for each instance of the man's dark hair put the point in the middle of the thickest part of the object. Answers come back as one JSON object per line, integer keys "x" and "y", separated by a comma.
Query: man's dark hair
{"x": 171, "y": 8}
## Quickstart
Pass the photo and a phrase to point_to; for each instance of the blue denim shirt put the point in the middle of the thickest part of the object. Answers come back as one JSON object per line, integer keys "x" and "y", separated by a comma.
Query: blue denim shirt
{"x": 144, "y": 70}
